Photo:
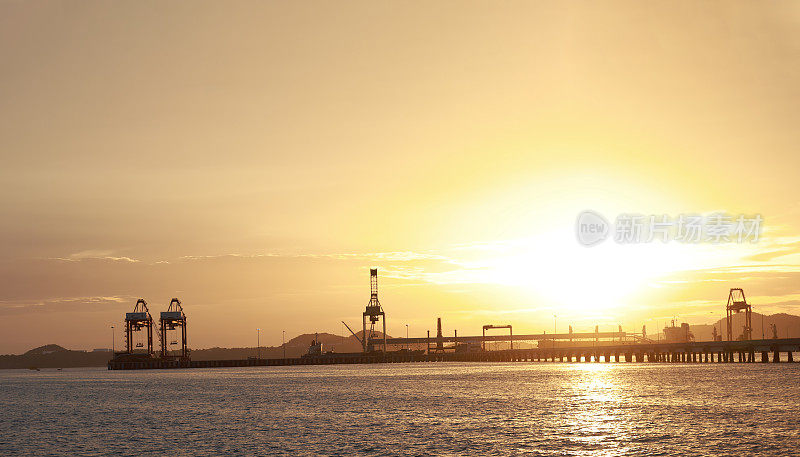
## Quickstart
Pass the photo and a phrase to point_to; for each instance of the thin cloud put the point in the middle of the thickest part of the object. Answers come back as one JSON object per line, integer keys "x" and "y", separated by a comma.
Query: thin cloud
{"x": 93, "y": 254}
{"x": 55, "y": 304}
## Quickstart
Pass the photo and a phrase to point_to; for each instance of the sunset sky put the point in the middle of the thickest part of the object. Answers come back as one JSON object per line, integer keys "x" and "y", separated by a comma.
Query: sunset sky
{"x": 254, "y": 159}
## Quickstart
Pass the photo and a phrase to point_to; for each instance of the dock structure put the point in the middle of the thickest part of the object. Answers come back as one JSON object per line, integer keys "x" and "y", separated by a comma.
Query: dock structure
{"x": 506, "y": 338}
{"x": 135, "y": 322}
{"x": 373, "y": 313}
{"x": 173, "y": 319}
{"x": 760, "y": 351}
{"x": 606, "y": 347}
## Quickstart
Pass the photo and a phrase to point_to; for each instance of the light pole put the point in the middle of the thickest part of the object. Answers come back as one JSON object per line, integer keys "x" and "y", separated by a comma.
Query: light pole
{"x": 554, "y": 324}
{"x": 113, "y": 348}
{"x": 258, "y": 333}
{"x": 408, "y": 347}
{"x": 283, "y": 342}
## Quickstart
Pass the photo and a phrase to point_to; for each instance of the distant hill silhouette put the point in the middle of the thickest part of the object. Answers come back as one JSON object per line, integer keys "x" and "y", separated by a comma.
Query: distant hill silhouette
{"x": 295, "y": 347}
{"x": 55, "y": 356}
{"x": 788, "y": 326}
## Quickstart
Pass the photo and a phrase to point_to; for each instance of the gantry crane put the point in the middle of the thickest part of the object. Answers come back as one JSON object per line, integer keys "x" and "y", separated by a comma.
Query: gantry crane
{"x": 510, "y": 333}
{"x": 172, "y": 319}
{"x": 134, "y": 322}
{"x": 736, "y": 304}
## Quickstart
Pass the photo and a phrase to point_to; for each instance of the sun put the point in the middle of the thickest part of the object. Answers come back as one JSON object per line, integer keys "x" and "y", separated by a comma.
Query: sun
{"x": 600, "y": 281}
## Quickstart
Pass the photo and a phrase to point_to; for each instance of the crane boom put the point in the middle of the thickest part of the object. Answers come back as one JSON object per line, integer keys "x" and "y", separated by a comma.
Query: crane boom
{"x": 354, "y": 334}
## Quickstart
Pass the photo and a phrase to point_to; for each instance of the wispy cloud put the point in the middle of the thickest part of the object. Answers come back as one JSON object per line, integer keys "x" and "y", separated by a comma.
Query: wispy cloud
{"x": 390, "y": 256}
{"x": 95, "y": 255}
{"x": 8, "y": 307}
{"x": 783, "y": 250}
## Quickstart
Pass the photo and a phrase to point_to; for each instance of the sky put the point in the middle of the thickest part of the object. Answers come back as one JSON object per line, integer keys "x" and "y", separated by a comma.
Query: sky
{"x": 255, "y": 159}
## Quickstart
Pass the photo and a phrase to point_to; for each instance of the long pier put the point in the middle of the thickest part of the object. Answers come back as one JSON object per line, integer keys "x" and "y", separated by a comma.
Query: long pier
{"x": 509, "y": 338}
{"x": 751, "y": 351}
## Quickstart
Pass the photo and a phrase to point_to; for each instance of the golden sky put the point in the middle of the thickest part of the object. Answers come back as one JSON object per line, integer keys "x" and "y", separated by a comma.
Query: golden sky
{"x": 256, "y": 158}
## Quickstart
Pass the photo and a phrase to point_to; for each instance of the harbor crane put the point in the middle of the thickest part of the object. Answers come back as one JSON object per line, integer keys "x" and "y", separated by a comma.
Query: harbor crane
{"x": 354, "y": 334}
{"x": 510, "y": 333}
{"x": 373, "y": 313}
{"x": 736, "y": 304}
{"x": 172, "y": 319}
{"x": 135, "y": 321}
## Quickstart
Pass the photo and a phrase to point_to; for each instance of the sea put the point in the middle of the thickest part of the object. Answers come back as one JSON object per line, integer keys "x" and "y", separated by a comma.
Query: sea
{"x": 541, "y": 408}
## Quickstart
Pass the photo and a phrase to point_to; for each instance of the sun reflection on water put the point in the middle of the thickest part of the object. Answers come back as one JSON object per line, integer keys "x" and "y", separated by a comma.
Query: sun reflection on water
{"x": 596, "y": 423}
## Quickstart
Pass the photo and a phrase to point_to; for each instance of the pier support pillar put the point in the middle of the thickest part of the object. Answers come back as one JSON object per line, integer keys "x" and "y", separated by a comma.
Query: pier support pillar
{"x": 789, "y": 356}
{"x": 776, "y": 357}
{"x": 764, "y": 356}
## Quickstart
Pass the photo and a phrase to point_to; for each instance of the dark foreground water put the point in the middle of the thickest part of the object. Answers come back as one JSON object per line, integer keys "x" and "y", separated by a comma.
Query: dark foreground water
{"x": 408, "y": 409}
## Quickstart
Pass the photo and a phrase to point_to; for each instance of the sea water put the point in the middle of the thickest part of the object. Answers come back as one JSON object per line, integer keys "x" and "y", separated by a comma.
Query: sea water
{"x": 406, "y": 409}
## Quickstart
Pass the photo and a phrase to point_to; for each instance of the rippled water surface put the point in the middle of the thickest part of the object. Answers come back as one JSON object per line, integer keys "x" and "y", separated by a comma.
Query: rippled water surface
{"x": 407, "y": 409}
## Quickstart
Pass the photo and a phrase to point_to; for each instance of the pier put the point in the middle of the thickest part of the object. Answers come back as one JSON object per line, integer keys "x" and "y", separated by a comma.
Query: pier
{"x": 606, "y": 347}
{"x": 753, "y": 351}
